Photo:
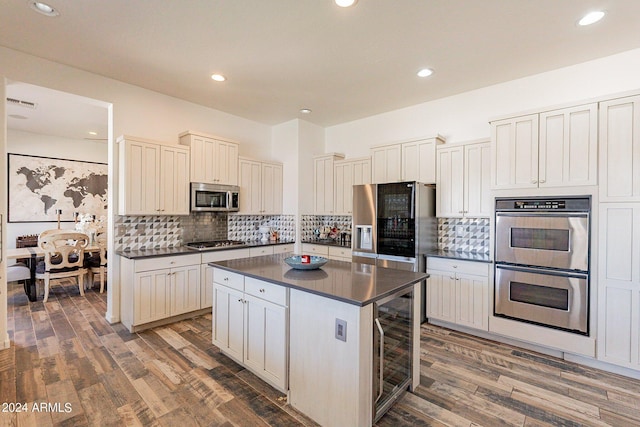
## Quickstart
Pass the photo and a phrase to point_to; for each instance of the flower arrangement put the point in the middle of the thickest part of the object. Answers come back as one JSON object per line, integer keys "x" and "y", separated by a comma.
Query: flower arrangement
{"x": 88, "y": 224}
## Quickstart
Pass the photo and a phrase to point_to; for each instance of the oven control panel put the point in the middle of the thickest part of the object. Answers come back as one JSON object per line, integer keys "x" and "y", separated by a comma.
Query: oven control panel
{"x": 573, "y": 204}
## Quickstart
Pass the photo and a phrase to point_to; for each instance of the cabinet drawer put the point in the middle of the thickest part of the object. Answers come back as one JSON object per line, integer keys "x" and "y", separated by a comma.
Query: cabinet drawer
{"x": 261, "y": 250}
{"x": 339, "y": 252}
{"x": 147, "y": 264}
{"x": 458, "y": 266}
{"x": 281, "y": 249}
{"x": 315, "y": 249}
{"x": 267, "y": 291}
{"x": 228, "y": 278}
{"x": 212, "y": 256}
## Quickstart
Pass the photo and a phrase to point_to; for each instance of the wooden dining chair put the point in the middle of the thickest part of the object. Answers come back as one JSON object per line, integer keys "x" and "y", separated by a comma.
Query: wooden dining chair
{"x": 97, "y": 263}
{"x": 63, "y": 257}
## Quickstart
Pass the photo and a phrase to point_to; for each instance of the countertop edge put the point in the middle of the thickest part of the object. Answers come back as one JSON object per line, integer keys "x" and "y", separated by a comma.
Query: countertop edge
{"x": 323, "y": 294}
{"x": 183, "y": 250}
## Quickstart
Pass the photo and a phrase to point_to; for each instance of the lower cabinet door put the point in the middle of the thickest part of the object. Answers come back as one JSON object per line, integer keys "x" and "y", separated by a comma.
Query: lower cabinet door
{"x": 185, "y": 289}
{"x": 152, "y": 291}
{"x": 265, "y": 349}
{"x": 473, "y": 301}
{"x": 441, "y": 296}
{"x": 228, "y": 321}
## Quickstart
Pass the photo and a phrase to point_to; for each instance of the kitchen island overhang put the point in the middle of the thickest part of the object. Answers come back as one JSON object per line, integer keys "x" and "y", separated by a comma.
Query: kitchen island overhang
{"x": 330, "y": 378}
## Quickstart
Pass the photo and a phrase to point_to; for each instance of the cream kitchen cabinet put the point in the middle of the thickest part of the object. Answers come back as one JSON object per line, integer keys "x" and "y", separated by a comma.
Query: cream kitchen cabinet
{"x": 458, "y": 292}
{"x": 552, "y": 149}
{"x": 348, "y": 173}
{"x": 340, "y": 253}
{"x": 213, "y": 160}
{"x": 619, "y": 285}
{"x": 463, "y": 180}
{"x": 153, "y": 178}
{"x": 619, "y": 148}
{"x": 323, "y": 184}
{"x": 260, "y": 187}
{"x": 419, "y": 160}
{"x": 250, "y": 324}
{"x": 311, "y": 249}
{"x": 160, "y": 288}
{"x": 386, "y": 163}
{"x": 206, "y": 271}
{"x": 284, "y": 248}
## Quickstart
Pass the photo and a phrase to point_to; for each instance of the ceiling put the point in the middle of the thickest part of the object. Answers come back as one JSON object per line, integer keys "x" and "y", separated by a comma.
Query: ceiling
{"x": 343, "y": 63}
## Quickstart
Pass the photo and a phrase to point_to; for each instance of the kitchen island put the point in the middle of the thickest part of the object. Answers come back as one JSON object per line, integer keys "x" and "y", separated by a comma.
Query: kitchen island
{"x": 314, "y": 334}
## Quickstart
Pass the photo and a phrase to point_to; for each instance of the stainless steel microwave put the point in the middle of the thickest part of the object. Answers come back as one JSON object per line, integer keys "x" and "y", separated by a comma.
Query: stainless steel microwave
{"x": 214, "y": 197}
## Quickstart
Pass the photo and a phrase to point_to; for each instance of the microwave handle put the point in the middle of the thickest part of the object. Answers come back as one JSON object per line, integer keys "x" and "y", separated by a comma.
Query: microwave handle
{"x": 228, "y": 205}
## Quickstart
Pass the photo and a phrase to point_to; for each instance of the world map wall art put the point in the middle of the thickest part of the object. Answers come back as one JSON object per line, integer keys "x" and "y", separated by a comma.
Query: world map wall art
{"x": 39, "y": 186}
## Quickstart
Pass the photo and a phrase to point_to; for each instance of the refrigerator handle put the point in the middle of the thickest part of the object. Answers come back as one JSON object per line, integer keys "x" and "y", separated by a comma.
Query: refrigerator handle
{"x": 412, "y": 215}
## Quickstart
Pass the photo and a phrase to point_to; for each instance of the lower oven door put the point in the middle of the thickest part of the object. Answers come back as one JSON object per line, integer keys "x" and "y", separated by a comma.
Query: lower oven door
{"x": 549, "y": 298}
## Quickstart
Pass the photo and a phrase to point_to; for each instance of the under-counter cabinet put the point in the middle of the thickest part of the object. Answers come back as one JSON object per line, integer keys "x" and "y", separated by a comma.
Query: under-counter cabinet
{"x": 340, "y": 253}
{"x": 213, "y": 160}
{"x": 619, "y": 148}
{"x": 206, "y": 271}
{"x": 250, "y": 324}
{"x": 463, "y": 180}
{"x": 260, "y": 187}
{"x": 153, "y": 178}
{"x": 552, "y": 149}
{"x": 160, "y": 289}
{"x": 458, "y": 292}
{"x": 318, "y": 250}
{"x": 619, "y": 284}
{"x": 348, "y": 173}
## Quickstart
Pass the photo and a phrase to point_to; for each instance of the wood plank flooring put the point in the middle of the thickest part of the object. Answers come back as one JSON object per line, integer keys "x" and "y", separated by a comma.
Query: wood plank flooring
{"x": 80, "y": 371}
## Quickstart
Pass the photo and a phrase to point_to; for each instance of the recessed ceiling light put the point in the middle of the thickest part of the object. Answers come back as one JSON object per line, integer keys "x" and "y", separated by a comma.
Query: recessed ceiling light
{"x": 346, "y": 3}
{"x": 92, "y": 133}
{"x": 425, "y": 72}
{"x": 591, "y": 18}
{"x": 218, "y": 77}
{"x": 305, "y": 110}
{"x": 43, "y": 8}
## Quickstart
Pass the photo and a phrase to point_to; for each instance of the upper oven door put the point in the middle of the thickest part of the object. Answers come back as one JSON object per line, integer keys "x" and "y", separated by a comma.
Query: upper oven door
{"x": 543, "y": 239}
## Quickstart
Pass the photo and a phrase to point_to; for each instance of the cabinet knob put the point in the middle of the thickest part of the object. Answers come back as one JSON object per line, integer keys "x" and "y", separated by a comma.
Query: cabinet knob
{"x": 262, "y": 291}
{"x": 455, "y": 266}
{"x": 452, "y": 278}
{"x": 240, "y": 300}
{"x": 226, "y": 279}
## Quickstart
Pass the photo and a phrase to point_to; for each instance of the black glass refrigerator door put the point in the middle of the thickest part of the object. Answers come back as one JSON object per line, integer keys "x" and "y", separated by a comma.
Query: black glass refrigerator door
{"x": 396, "y": 219}
{"x": 392, "y": 350}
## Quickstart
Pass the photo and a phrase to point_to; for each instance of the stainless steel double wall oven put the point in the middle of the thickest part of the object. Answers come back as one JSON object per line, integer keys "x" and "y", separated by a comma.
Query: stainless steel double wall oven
{"x": 542, "y": 257}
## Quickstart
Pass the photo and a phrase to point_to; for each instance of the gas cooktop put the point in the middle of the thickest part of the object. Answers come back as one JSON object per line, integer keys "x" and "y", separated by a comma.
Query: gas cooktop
{"x": 214, "y": 244}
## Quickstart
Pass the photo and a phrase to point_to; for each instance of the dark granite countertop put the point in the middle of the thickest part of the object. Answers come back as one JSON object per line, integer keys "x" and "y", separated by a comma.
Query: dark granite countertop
{"x": 350, "y": 282}
{"x": 327, "y": 242}
{"x": 181, "y": 250}
{"x": 463, "y": 256}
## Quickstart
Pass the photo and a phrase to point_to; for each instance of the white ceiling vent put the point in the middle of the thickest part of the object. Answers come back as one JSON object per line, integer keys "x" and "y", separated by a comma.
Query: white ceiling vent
{"x": 22, "y": 103}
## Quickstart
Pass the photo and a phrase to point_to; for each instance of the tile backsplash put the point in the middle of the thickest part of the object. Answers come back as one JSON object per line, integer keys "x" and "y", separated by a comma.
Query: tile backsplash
{"x": 245, "y": 227}
{"x": 147, "y": 232}
{"x": 311, "y": 222}
{"x": 464, "y": 235}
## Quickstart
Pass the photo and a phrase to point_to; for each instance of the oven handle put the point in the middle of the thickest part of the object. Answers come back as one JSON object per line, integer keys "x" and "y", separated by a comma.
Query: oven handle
{"x": 549, "y": 271}
{"x": 543, "y": 214}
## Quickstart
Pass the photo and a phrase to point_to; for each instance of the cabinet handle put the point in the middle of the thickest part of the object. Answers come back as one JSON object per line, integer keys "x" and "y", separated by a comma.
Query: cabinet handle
{"x": 452, "y": 277}
{"x": 262, "y": 291}
{"x": 226, "y": 279}
{"x": 533, "y": 181}
{"x": 542, "y": 181}
{"x": 240, "y": 300}
{"x": 455, "y": 266}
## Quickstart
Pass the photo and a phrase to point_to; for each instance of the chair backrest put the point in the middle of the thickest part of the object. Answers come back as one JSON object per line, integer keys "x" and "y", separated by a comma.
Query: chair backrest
{"x": 101, "y": 240}
{"x": 64, "y": 246}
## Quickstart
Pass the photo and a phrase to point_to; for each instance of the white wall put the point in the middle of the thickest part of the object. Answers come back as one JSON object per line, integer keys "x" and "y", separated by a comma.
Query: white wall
{"x": 465, "y": 116}
{"x": 19, "y": 142}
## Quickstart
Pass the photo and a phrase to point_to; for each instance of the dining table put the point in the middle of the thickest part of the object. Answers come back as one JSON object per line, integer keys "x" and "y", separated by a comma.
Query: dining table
{"x": 32, "y": 254}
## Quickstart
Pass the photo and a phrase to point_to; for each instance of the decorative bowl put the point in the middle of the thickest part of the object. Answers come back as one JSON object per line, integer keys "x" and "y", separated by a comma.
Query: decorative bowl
{"x": 296, "y": 262}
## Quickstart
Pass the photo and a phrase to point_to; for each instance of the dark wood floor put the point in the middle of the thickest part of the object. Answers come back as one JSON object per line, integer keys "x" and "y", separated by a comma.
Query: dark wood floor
{"x": 87, "y": 372}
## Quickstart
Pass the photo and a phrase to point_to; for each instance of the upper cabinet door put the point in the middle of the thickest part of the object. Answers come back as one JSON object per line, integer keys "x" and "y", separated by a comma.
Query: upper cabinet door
{"x": 419, "y": 160}
{"x": 174, "y": 181}
{"x": 387, "y": 164}
{"x": 515, "y": 152}
{"x": 323, "y": 185}
{"x": 569, "y": 147}
{"x": 477, "y": 180}
{"x": 139, "y": 177}
{"x": 213, "y": 161}
{"x": 271, "y": 188}
{"x": 620, "y": 150}
{"x": 450, "y": 182}
{"x": 250, "y": 186}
